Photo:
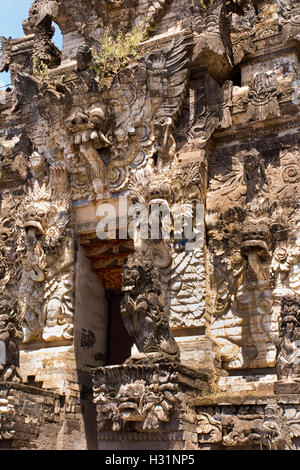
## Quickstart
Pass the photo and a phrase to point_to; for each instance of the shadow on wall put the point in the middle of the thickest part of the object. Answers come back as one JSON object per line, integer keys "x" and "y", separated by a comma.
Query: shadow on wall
{"x": 90, "y": 337}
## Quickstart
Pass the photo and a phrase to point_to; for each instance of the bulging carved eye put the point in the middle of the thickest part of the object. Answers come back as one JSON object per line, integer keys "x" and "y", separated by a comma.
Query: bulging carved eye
{"x": 134, "y": 274}
{"x": 41, "y": 213}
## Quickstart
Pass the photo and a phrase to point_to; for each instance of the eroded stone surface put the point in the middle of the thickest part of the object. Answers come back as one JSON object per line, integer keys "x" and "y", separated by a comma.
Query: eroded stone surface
{"x": 202, "y": 119}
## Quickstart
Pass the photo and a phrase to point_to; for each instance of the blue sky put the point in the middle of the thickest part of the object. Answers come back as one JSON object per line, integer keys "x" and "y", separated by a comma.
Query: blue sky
{"x": 12, "y": 13}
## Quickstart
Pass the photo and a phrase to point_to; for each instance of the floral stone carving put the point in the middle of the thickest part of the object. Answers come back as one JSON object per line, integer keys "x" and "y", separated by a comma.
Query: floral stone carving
{"x": 142, "y": 397}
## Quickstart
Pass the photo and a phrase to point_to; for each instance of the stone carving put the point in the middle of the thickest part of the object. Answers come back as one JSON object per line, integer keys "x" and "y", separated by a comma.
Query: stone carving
{"x": 209, "y": 427}
{"x": 250, "y": 253}
{"x": 260, "y": 427}
{"x": 239, "y": 432}
{"x": 177, "y": 190}
{"x": 143, "y": 397}
{"x": 88, "y": 19}
{"x": 147, "y": 404}
{"x": 213, "y": 35}
{"x": 287, "y": 342}
{"x": 239, "y": 180}
{"x": 7, "y": 412}
{"x": 262, "y": 97}
{"x": 89, "y": 137}
{"x": 10, "y": 321}
{"x": 46, "y": 285}
{"x": 276, "y": 431}
{"x": 121, "y": 134}
{"x": 269, "y": 430}
{"x": 242, "y": 32}
{"x": 290, "y": 18}
{"x": 201, "y": 122}
{"x": 11, "y": 335}
{"x": 144, "y": 119}
{"x": 143, "y": 312}
{"x": 13, "y": 152}
{"x": 5, "y": 53}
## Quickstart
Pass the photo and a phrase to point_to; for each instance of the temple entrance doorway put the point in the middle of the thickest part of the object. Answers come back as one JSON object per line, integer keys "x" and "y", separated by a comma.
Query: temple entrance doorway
{"x": 107, "y": 259}
{"x": 119, "y": 343}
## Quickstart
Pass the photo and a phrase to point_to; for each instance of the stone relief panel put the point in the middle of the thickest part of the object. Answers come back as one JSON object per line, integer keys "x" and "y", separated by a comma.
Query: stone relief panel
{"x": 120, "y": 135}
{"x": 45, "y": 294}
{"x": 267, "y": 426}
{"x": 11, "y": 333}
{"x": 104, "y": 132}
{"x": 145, "y": 397}
{"x": 7, "y": 413}
{"x": 287, "y": 342}
{"x": 177, "y": 190}
{"x": 37, "y": 259}
{"x": 147, "y": 402}
{"x": 262, "y": 97}
{"x": 251, "y": 236}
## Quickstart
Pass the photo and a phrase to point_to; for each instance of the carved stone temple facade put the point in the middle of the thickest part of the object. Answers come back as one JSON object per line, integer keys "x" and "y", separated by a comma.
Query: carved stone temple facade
{"x": 112, "y": 339}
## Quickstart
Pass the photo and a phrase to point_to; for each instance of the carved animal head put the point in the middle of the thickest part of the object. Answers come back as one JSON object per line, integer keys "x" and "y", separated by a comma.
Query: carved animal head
{"x": 256, "y": 235}
{"x": 138, "y": 273}
{"x": 130, "y": 398}
{"x": 275, "y": 430}
{"x": 290, "y": 314}
{"x": 46, "y": 208}
{"x": 37, "y": 208}
{"x": 172, "y": 184}
{"x": 87, "y": 126}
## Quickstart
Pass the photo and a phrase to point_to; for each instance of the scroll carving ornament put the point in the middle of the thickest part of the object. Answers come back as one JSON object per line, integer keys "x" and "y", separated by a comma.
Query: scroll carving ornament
{"x": 7, "y": 412}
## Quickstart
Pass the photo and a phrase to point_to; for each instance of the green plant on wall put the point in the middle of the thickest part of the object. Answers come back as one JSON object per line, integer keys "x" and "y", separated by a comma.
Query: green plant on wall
{"x": 40, "y": 69}
{"x": 116, "y": 52}
{"x": 205, "y": 3}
